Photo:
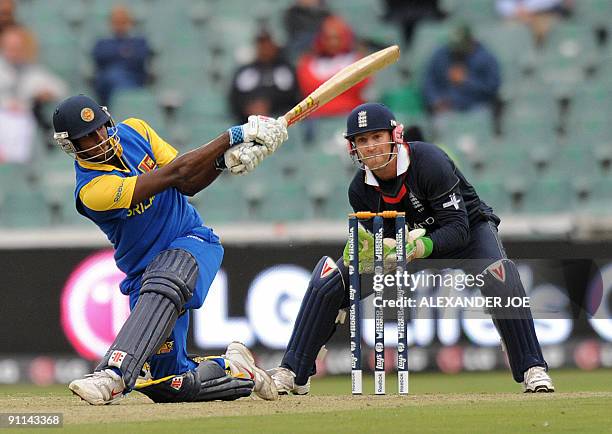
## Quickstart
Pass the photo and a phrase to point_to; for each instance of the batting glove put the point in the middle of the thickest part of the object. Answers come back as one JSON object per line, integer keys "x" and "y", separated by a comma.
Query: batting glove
{"x": 244, "y": 158}
{"x": 264, "y": 130}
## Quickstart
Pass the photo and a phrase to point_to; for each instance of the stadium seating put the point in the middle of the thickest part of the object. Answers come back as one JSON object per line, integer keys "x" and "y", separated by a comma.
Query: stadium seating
{"x": 555, "y": 122}
{"x": 22, "y": 201}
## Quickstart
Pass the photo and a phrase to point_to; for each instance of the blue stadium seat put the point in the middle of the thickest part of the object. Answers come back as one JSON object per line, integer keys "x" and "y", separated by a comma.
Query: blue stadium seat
{"x": 593, "y": 12}
{"x": 592, "y": 195}
{"x": 457, "y": 130}
{"x": 492, "y": 192}
{"x": 548, "y": 195}
{"x": 23, "y": 206}
{"x": 364, "y": 16}
{"x": 472, "y": 11}
{"x": 515, "y": 57}
{"x": 427, "y": 38}
{"x": 569, "y": 51}
{"x": 140, "y": 103}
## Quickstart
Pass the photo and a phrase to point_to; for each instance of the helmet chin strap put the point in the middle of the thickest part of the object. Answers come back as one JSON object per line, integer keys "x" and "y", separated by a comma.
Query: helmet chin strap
{"x": 391, "y": 156}
{"x": 114, "y": 141}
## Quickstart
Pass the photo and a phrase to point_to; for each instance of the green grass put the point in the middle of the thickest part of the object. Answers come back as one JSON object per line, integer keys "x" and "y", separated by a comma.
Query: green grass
{"x": 585, "y": 416}
{"x": 568, "y": 380}
{"x": 438, "y": 403}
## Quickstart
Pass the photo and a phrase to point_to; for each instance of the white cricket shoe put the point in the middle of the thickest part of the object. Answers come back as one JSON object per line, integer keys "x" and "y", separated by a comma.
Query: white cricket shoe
{"x": 99, "y": 388}
{"x": 537, "y": 380}
{"x": 239, "y": 355}
{"x": 285, "y": 382}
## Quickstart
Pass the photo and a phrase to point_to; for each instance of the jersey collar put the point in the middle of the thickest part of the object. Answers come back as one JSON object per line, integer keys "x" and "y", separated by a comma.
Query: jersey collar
{"x": 403, "y": 161}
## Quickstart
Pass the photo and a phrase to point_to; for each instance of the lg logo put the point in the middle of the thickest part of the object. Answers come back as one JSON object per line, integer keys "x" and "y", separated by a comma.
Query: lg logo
{"x": 272, "y": 304}
{"x": 93, "y": 309}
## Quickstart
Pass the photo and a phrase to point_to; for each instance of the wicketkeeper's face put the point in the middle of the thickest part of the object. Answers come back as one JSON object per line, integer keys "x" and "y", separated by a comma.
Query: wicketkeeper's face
{"x": 374, "y": 148}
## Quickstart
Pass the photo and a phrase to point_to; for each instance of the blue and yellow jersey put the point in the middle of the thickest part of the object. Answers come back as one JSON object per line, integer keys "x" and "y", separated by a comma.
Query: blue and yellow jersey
{"x": 104, "y": 193}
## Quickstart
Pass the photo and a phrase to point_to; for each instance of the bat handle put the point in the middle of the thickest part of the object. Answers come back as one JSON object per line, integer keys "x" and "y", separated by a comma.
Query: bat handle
{"x": 290, "y": 120}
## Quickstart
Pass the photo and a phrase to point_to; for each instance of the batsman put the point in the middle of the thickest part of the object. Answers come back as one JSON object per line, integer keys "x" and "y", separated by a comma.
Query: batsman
{"x": 133, "y": 185}
{"x": 449, "y": 222}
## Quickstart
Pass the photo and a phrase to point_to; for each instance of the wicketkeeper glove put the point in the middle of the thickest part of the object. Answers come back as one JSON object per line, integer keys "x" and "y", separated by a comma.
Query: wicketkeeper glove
{"x": 418, "y": 245}
{"x": 366, "y": 251}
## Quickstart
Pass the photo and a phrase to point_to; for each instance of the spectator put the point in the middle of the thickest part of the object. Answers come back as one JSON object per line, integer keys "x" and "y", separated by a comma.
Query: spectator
{"x": 462, "y": 75}
{"x": 302, "y": 22}
{"x": 267, "y": 86}
{"x": 121, "y": 60}
{"x": 7, "y": 15}
{"x": 25, "y": 87}
{"x": 539, "y": 15}
{"x": 408, "y": 13}
{"x": 333, "y": 49}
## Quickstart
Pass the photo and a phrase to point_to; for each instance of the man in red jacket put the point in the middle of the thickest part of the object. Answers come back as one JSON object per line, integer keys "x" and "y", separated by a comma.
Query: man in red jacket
{"x": 333, "y": 49}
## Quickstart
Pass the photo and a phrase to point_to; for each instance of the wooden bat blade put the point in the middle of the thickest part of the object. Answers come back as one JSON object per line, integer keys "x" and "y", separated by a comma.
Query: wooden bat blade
{"x": 343, "y": 80}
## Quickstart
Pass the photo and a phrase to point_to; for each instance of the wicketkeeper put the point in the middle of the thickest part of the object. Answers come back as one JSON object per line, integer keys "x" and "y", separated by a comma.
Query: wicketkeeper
{"x": 419, "y": 179}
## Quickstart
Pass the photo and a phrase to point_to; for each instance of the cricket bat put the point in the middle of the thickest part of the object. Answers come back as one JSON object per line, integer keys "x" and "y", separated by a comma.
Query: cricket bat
{"x": 343, "y": 80}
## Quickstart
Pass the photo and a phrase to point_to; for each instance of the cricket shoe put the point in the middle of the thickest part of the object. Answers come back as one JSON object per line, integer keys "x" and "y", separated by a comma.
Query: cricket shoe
{"x": 242, "y": 360}
{"x": 536, "y": 380}
{"x": 99, "y": 388}
{"x": 285, "y": 382}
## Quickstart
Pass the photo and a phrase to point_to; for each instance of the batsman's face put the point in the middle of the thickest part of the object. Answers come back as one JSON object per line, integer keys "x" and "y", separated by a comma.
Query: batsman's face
{"x": 95, "y": 146}
{"x": 374, "y": 148}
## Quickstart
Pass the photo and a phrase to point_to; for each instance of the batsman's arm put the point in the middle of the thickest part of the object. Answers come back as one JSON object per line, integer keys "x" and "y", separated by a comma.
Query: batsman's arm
{"x": 195, "y": 170}
{"x": 189, "y": 173}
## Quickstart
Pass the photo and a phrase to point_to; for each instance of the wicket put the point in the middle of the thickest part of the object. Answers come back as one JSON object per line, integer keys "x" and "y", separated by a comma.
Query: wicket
{"x": 379, "y": 320}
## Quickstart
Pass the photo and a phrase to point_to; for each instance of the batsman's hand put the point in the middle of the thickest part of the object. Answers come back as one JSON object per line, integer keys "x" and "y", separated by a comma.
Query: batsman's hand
{"x": 267, "y": 131}
{"x": 245, "y": 157}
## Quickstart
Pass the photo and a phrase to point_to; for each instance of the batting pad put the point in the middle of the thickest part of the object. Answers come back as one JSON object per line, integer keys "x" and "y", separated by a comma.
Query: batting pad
{"x": 316, "y": 320}
{"x": 514, "y": 324}
{"x": 168, "y": 283}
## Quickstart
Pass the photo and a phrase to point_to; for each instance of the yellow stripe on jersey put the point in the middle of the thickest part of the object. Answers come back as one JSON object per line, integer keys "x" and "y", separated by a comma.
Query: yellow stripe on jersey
{"x": 164, "y": 153}
{"x": 108, "y": 192}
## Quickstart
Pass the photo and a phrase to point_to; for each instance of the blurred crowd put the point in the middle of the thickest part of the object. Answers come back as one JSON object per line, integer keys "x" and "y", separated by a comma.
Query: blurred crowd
{"x": 461, "y": 74}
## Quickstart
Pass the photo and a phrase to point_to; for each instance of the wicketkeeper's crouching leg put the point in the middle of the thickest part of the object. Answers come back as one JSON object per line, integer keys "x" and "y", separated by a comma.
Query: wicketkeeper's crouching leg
{"x": 516, "y": 328}
{"x": 315, "y": 324}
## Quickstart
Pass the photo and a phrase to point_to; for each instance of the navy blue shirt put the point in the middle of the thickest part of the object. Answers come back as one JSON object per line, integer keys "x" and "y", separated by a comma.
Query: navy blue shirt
{"x": 126, "y": 56}
{"x": 481, "y": 84}
{"x": 433, "y": 193}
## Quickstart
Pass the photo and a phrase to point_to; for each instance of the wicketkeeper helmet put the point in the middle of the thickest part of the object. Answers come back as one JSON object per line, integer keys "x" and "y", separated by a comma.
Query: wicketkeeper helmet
{"x": 372, "y": 116}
